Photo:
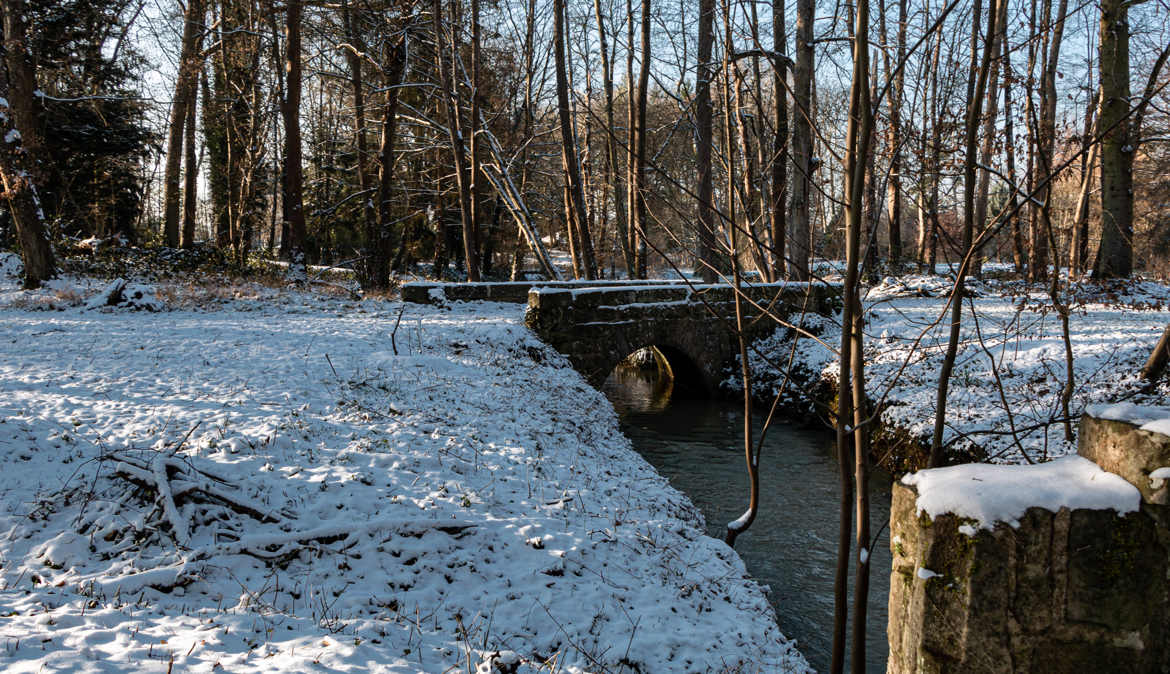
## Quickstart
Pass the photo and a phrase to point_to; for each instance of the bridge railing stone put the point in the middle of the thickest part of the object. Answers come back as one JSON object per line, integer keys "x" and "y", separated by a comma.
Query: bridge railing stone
{"x": 822, "y": 298}
{"x": 1068, "y": 584}
{"x": 435, "y": 292}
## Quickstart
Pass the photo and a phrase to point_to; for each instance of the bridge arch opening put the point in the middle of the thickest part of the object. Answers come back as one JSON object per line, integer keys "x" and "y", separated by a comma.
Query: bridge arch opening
{"x": 652, "y": 375}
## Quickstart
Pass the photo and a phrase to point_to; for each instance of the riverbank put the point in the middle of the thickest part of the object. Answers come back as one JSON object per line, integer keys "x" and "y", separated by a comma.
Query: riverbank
{"x": 274, "y": 480}
{"x": 1003, "y": 404}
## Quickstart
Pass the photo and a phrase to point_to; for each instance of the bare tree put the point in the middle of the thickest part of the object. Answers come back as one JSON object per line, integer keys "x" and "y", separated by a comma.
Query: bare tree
{"x": 704, "y": 139}
{"x": 894, "y": 138}
{"x": 852, "y": 441}
{"x": 185, "y": 87}
{"x": 639, "y": 130}
{"x": 611, "y": 146}
{"x": 1115, "y": 255}
{"x": 191, "y": 175}
{"x": 293, "y": 190}
{"x": 977, "y": 86}
{"x": 575, "y": 216}
{"x": 799, "y": 225}
{"x": 21, "y": 146}
{"x": 779, "y": 158}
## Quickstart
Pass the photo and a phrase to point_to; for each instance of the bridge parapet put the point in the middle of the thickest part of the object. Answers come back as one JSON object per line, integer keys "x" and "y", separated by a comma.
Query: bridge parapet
{"x": 434, "y": 292}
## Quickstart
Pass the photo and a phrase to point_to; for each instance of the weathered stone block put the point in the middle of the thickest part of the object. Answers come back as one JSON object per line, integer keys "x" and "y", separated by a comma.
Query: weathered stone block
{"x": 1072, "y": 591}
{"x": 1122, "y": 447}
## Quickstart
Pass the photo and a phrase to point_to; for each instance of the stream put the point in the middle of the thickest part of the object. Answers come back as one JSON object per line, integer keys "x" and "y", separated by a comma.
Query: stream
{"x": 792, "y": 546}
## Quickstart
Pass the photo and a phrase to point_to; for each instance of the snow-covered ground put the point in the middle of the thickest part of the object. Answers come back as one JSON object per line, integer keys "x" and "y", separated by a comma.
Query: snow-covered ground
{"x": 1010, "y": 367}
{"x": 327, "y": 503}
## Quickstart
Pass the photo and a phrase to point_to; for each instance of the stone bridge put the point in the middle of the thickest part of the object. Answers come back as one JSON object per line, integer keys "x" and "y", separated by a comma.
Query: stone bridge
{"x": 693, "y": 327}
{"x": 597, "y": 325}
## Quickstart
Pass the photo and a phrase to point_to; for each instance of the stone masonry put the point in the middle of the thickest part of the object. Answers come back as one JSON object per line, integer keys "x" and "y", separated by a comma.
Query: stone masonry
{"x": 596, "y": 328}
{"x": 1075, "y": 591}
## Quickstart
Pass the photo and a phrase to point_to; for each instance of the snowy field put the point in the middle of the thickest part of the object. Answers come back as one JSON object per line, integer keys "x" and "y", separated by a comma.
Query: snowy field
{"x": 257, "y": 481}
{"x": 1004, "y": 396}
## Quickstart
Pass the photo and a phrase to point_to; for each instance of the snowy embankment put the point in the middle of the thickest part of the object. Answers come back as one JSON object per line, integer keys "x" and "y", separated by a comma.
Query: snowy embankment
{"x": 1004, "y": 398}
{"x": 269, "y": 487}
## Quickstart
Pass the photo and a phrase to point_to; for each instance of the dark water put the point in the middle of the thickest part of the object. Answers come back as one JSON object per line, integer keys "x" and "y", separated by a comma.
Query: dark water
{"x": 792, "y": 546}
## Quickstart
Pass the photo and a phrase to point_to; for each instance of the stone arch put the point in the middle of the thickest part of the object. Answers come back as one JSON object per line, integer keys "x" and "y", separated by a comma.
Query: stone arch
{"x": 696, "y": 353}
{"x": 690, "y": 381}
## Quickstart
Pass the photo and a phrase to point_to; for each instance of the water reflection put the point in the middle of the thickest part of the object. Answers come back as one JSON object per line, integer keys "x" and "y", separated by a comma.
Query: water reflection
{"x": 792, "y": 545}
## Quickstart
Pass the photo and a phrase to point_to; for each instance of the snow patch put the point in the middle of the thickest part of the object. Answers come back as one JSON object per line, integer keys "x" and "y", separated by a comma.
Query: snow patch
{"x": 1157, "y": 426}
{"x": 1128, "y": 412}
{"x": 122, "y": 294}
{"x": 989, "y": 494}
{"x": 465, "y": 480}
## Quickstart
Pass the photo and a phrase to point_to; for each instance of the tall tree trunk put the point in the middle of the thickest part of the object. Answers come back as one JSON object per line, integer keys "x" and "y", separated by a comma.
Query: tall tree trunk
{"x": 527, "y": 118}
{"x": 191, "y": 177}
{"x": 704, "y": 139}
{"x": 1115, "y": 255}
{"x": 1018, "y": 254}
{"x": 852, "y": 436}
{"x": 185, "y": 84}
{"x": 983, "y": 190}
{"x": 935, "y": 155}
{"x": 354, "y": 52}
{"x": 1047, "y": 141}
{"x": 779, "y": 160}
{"x": 640, "y": 212}
{"x": 631, "y": 140}
{"x": 381, "y": 238}
{"x": 294, "y": 209}
{"x": 277, "y": 63}
{"x": 580, "y": 185}
{"x": 455, "y": 138}
{"x": 802, "y": 140}
{"x": 976, "y": 90}
{"x": 21, "y": 146}
{"x": 612, "y": 163}
{"x": 575, "y": 217}
{"x": 894, "y": 131}
{"x": 1078, "y": 248}
{"x": 475, "y": 158}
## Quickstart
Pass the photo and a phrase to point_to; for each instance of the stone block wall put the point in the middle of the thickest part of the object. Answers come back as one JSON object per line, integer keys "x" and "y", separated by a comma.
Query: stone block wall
{"x": 1075, "y": 590}
{"x": 516, "y": 292}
